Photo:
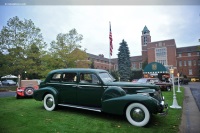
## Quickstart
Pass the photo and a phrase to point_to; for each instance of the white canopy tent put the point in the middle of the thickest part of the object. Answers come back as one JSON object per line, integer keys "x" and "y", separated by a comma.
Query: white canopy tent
{"x": 9, "y": 77}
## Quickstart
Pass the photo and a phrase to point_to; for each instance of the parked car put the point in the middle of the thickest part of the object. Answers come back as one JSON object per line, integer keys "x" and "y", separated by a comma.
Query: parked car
{"x": 96, "y": 90}
{"x": 8, "y": 82}
{"x": 134, "y": 80}
{"x": 163, "y": 85}
{"x": 182, "y": 81}
{"x": 26, "y": 88}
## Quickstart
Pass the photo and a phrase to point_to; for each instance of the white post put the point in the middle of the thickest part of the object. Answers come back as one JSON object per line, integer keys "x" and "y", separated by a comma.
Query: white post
{"x": 175, "y": 104}
{"x": 178, "y": 83}
{"x": 19, "y": 81}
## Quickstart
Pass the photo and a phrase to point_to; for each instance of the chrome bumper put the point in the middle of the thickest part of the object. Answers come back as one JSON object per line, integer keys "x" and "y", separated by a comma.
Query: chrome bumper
{"x": 164, "y": 109}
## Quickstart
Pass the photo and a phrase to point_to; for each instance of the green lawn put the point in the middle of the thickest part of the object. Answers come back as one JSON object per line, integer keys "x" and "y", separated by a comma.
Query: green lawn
{"x": 29, "y": 116}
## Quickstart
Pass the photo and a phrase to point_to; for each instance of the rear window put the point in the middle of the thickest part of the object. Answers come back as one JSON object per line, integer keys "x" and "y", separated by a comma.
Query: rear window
{"x": 56, "y": 77}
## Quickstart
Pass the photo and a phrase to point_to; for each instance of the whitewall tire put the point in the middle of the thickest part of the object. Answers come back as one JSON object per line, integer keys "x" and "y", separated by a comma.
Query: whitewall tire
{"x": 49, "y": 102}
{"x": 137, "y": 114}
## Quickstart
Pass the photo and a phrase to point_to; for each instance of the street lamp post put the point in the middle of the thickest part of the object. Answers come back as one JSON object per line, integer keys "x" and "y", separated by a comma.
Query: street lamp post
{"x": 25, "y": 75}
{"x": 178, "y": 83}
{"x": 175, "y": 104}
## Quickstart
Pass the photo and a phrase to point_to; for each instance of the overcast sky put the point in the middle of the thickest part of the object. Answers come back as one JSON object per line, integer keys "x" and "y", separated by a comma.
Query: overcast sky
{"x": 181, "y": 23}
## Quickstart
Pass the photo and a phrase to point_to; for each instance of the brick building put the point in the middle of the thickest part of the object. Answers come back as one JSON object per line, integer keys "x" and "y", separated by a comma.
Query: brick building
{"x": 186, "y": 60}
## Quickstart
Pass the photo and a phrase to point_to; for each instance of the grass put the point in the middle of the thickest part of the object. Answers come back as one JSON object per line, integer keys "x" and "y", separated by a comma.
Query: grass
{"x": 28, "y": 115}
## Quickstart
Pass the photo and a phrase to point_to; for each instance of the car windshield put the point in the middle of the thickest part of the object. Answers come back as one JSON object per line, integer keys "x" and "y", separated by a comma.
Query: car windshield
{"x": 142, "y": 81}
{"x": 106, "y": 77}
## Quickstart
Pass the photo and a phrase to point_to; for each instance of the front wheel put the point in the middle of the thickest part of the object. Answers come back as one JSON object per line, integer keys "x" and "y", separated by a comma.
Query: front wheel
{"x": 49, "y": 102}
{"x": 137, "y": 114}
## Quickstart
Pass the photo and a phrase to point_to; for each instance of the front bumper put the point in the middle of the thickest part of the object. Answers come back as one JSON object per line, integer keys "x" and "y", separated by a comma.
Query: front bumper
{"x": 163, "y": 110}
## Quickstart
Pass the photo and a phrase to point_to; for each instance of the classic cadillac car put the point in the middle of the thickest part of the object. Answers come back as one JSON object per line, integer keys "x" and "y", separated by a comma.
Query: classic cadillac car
{"x": 96, "y": 90}
{"x": 164, "y": 86}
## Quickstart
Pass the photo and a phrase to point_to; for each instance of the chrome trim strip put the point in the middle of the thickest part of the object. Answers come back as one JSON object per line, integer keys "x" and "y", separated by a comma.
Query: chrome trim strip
{"x": 90, "y": 85}
{"x": 76, "y": 85}
{"x": 80, "y": 107}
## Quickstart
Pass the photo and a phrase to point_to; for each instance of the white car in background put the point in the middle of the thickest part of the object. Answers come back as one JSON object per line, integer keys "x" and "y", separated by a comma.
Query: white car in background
{"x": 8, "y": 82}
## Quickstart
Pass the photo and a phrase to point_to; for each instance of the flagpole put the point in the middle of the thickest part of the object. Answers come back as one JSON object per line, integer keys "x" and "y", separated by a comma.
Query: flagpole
{"x": 109, "y": 46}
{"x": 109, "y": 59}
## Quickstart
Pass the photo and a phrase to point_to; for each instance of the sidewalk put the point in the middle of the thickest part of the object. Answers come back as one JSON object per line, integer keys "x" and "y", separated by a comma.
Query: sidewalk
{"x": 191, "y": 115}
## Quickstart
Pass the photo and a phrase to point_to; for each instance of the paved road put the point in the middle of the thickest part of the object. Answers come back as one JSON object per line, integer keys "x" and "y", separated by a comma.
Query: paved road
{"x": 195, "y": 89}
{"x": 7, "y": 94}
{"x": 190, "y": 117}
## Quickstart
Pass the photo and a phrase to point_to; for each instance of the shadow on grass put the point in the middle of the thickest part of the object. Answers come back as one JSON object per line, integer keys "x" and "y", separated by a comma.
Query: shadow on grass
{"x": 154, "y": 121}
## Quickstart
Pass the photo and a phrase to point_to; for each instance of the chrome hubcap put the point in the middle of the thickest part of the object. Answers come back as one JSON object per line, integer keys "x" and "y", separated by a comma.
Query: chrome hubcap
{"x": 49, "y": 102}
{"x": 137, "y": 114}
{"x": 29, "y": 92}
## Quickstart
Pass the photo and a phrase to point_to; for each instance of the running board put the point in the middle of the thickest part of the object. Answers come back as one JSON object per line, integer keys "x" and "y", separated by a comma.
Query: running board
{"x": 81, "y": 107}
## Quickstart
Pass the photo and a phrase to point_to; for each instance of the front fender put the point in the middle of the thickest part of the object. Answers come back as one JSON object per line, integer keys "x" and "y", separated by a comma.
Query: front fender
{"x": 113, "y": 92}
{"x": 119, "y": 104}
{"x": 40, "y": 93}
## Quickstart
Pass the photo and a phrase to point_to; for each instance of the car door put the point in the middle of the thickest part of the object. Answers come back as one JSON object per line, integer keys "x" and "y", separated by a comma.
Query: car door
{"x": 89, "y": 90}
{"x": 68, "y": 88}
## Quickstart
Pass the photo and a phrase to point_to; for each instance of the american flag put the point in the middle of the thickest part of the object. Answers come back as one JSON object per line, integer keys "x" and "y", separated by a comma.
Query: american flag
{"x": 111, "y": 45}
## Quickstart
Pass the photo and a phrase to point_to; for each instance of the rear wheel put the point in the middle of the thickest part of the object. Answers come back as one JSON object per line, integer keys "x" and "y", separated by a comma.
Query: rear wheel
{"x": 29, "y": 91}
{"x": 137, "y": 114}
{"x": 49, "y": 102}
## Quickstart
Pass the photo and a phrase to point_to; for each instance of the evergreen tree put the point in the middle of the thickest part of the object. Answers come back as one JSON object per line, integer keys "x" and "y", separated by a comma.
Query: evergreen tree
{"x": 124, "y": 63}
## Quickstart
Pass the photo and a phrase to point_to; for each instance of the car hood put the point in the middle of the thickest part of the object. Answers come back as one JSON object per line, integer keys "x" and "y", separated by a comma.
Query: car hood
{"x": 130, "y": 87}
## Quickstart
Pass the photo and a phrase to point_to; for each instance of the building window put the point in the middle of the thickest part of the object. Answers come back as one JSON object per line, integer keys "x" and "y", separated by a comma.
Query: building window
{"x": 140, "y": 65}
{"x": 190, "y": 71}
{"x": 185, "y": 63}
{"x": 198, "y": 53}
{"x": 179, "y": 55}
{"x": 161, "y": 52}
{"x": 134, "y": 65}
{"x": 180, "y": 63}
{"x": 198, "y": 62}
{"x": 194, "y": 62}
{"x": 189, "y": 54}
{"x": 161, "y": 55}
{"x": 189, "y": 63}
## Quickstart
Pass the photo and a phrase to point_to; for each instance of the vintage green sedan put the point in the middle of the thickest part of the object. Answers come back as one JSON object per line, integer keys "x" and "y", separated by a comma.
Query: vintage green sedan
{"x": 97, "y": 90}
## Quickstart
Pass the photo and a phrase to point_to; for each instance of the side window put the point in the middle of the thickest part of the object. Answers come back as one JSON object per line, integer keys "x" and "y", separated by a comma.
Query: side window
{"x": 69, "y": 77}
{"x": 56, "y": 77}
{"x": 88, "y": 78}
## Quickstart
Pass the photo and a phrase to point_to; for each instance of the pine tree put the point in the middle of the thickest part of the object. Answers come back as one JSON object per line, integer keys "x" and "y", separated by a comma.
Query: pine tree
{"x": 124, "y": 63}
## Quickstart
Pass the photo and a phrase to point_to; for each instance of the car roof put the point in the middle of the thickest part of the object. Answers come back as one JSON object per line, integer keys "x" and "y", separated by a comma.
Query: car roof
{"x": 78, "y": 70}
